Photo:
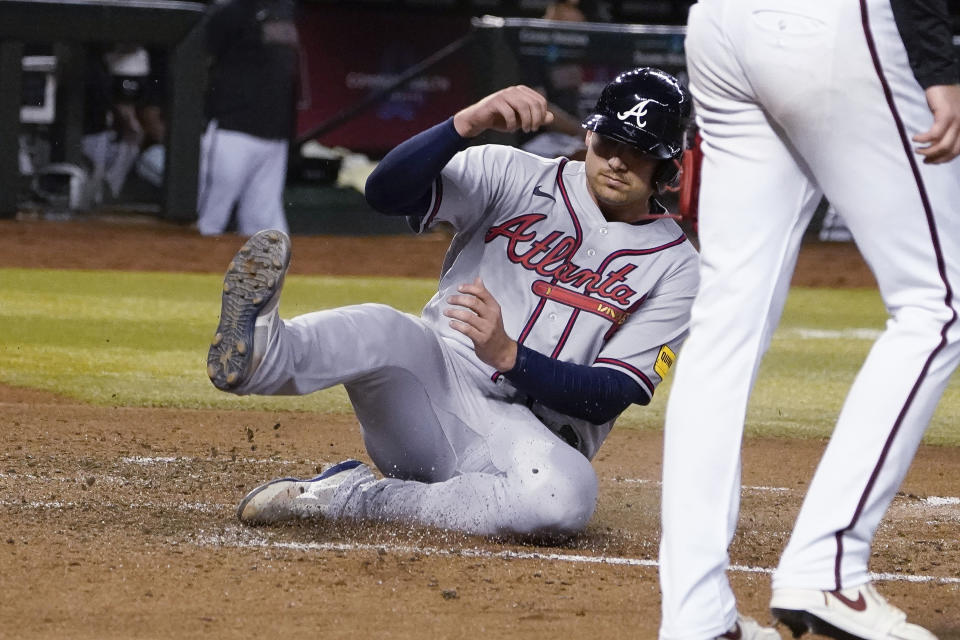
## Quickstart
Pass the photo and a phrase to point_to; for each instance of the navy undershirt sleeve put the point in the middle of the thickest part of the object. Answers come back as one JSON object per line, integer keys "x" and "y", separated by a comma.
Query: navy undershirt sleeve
{"x": 925, "y": 28}
{"x": 596, "y": 394}
{"x": 401, "y": 185}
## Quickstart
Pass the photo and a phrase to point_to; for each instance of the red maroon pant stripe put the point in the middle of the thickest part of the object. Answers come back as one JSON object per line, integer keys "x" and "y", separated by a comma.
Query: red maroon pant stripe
{"x": 948, "y": 298}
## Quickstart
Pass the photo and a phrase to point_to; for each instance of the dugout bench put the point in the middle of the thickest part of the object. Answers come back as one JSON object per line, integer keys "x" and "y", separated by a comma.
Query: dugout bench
{"x": 69, "y": 24}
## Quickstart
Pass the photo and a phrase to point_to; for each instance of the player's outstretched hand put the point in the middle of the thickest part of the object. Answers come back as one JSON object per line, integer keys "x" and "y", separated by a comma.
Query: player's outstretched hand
{"x": 942, "y": 141}
{"x": 517, "y": 107}
{"x": 476, "y": 314}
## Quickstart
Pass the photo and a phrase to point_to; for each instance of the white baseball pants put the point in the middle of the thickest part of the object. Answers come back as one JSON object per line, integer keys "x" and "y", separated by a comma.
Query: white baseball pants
{"x": 456, "y": 453}
{"x": 241, "y": 171}
{"x": 796, "y": 98}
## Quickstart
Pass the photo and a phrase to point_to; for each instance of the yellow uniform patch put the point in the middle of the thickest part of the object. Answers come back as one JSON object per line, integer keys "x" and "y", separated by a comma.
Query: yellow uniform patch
{"x": 665, "y": 360}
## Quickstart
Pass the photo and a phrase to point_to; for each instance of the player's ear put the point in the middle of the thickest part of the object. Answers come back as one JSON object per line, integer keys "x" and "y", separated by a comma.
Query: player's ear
{"x": 587, "y": 138}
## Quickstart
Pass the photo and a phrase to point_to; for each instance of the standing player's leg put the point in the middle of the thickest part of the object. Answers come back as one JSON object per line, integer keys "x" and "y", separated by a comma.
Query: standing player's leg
{"x": 903, "y": 216}
{"x": 224, "y": 165}
{"x": 261, "y": 201}
{"x": 96, "y": 148}
{"x": 755, "y": 202}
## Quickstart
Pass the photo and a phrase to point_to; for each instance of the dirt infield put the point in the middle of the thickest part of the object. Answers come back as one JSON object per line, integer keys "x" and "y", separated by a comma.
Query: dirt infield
{"x": 118, "y": 522}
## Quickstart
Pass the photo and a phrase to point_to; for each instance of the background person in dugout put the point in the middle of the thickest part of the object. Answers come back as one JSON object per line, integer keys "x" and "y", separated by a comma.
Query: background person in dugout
{"x": 113, "y": 134}
{"x": 563, "y": 297}
{"x": 251, "y": 109}
{"x": 560, "y": 82}
{"x": 858, "y": 101}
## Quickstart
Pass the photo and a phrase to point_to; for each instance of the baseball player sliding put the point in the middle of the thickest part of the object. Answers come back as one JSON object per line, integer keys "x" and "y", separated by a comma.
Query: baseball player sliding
{"x": 858, "y": 100}
{"x": 562, "y": 300}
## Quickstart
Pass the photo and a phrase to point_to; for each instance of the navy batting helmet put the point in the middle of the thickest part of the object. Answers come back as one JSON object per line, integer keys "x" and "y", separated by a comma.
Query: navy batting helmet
{"x": 646, "y": 108}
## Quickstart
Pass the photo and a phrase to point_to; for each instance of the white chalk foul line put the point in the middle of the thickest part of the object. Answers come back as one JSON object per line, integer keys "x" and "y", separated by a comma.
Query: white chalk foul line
{"x": 937, "y": 501}
{"x": 143, "y": 462}
{"x": 248, "y": 541}
{"x": 102, "y": 478}
{"x": 745, "y": 487}
{"x": 243, "y": 539}
{"x": 468, "y": 552}
{"x": 932, "y": 501}
{"x": 828, "y": 334}
{"x": 201, "y": 507}
{"x": 86, "y": 477}
{"x": 161, "y": 460}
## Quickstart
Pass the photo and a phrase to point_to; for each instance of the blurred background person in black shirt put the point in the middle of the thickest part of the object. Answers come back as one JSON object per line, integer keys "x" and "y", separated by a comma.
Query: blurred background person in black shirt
{"x": 251, "y": 108}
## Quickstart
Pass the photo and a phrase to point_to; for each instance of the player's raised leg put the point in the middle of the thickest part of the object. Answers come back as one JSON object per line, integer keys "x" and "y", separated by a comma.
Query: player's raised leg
{"x": 248, "y": 312}
{"x": 452, "y": 459}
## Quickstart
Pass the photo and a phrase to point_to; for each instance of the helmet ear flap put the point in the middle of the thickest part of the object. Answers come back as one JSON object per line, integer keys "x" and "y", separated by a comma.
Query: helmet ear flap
{"x": 666, "y": 175}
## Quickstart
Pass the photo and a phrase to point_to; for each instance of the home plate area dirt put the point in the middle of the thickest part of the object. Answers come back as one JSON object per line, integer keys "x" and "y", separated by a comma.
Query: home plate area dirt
{"x": 119, "y": 522}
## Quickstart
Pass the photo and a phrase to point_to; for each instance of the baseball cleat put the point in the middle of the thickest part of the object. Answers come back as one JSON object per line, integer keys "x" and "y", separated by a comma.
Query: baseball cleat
{"x": 859, "y": 613}
{"x": 749, "y": 629}
{"x": 251, "y": 295}
{"x": 286, "y": 499}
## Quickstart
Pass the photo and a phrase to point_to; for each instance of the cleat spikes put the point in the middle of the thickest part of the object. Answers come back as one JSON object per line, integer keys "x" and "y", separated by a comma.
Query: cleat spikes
{"x": 251, "y": 288}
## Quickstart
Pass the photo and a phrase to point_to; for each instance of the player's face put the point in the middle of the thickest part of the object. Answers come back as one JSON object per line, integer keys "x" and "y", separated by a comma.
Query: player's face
{"x": 619, "y": 177}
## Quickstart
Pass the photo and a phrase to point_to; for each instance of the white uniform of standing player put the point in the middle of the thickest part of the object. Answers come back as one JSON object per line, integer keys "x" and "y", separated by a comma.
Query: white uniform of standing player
{"x": 459, "y": 445}
{"x": 794, "y": 100}
{"x": 251, "y": 110}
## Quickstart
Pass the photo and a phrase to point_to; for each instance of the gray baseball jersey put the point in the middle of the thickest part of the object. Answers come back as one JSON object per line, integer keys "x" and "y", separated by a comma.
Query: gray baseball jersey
{"x": 569, "y": 283}
{"x": 459, "y": 446}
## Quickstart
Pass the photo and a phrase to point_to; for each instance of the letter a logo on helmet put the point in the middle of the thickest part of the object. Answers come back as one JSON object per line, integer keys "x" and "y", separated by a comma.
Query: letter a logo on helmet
{"x": 638, "y": 110}
{"x": 646, "y": 108}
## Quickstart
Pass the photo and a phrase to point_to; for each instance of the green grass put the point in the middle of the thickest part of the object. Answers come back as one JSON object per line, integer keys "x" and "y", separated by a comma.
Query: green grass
{"x": 140, "y": 339}
{"x": 803, "y": 380}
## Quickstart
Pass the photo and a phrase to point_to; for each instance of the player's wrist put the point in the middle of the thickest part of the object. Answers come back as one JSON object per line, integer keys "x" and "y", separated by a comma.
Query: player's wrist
{"x": 464, "y": 126}
{"x": 508, "y": 358}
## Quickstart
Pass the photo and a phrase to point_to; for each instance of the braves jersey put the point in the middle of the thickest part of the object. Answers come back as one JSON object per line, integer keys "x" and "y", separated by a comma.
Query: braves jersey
{"x": 570, "y": 284}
